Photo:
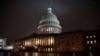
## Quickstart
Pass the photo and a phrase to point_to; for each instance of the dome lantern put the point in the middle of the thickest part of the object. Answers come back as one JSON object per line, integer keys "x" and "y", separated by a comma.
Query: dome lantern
{"x": 49, "y": 10}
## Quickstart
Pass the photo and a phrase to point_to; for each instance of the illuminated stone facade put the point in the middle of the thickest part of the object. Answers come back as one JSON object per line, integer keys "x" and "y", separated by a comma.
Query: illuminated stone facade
{"x": 63, "y": 42}
{"x": 51, "y": 42}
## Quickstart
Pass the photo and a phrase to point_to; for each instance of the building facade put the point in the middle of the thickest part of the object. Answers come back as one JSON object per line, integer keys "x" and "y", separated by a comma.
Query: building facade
{"x": 92, "y": 39}
{"x": 2, "y": 43}
{"x": 63, "y": 42}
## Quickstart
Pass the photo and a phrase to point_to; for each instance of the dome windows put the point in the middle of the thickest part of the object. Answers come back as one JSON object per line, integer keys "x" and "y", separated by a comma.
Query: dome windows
{"x": 49, "y": 30}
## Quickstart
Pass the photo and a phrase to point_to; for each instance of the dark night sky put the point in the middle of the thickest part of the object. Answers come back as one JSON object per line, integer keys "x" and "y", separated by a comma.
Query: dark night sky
{"x": 20, "y": 18}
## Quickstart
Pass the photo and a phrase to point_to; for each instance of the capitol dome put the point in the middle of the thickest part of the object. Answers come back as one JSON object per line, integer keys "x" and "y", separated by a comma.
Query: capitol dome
{"x": 49, "y": 23}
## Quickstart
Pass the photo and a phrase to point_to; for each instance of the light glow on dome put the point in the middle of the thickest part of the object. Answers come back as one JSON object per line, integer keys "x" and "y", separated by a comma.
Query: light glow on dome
{"x": 49, "y": 23}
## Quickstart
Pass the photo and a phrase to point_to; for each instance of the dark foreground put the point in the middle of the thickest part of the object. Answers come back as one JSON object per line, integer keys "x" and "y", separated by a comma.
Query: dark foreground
{"x": 2, "y": 53}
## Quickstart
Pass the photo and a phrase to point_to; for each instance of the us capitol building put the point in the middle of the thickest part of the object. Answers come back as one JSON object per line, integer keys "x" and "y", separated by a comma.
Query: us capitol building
{"x": 50, "y": 38}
